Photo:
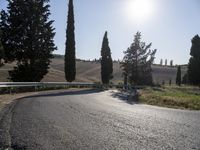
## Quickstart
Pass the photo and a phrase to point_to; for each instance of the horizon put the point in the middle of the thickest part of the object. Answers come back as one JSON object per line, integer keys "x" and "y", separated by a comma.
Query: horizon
{"x": 169, "y": 25}
{"x": 115, "y": 60}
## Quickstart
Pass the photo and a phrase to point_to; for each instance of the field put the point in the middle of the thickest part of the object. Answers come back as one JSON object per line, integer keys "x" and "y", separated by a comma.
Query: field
{"x": 90, "y": 72}
{"x": 184, "y": 97}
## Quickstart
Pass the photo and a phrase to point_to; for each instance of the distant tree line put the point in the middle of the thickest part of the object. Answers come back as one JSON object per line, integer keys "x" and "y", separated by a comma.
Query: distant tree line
{"x": 166, "y": 64}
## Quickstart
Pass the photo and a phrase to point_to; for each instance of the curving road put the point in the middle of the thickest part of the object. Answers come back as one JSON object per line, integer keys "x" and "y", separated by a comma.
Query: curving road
{"x": 96, "y": 120}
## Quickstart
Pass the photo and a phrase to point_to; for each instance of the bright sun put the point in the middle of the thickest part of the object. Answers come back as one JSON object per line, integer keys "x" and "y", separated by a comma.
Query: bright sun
{"x": 139, "y": 10}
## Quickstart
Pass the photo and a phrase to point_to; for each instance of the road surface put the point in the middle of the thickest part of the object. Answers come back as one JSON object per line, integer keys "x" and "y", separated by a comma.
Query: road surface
{"x": 93, "y": 120}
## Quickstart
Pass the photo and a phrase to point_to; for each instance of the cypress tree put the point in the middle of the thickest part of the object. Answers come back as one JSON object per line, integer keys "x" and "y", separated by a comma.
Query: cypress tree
{"x": 171, "y": 63}
{"x": 178, "y": 76}
{"x": 194, "y": 63}
{"x": 165, "y": 62}
{"x": 106, "y": 61}
{"x": 70, "y": 57}
{"x": 161, "y": 62}
{"x": 28, "y": 38}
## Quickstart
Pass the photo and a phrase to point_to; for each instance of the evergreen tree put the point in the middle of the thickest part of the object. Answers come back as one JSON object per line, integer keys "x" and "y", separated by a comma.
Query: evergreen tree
{"x": 165, "y": 62}
{"x": 28, "y": 38}
{"x": 137, "y": 62}
{"x": 178, "y": 76}
{"x": 106, "y": 61}
{"x": 1, "y": 51}
{"x": 125, "y": 67}
{"x": 185, "y": 79}
{"x": 70, "y": 56}
{"x": 161, "y": 62}
{"x": 194, "y": 63}
{"x": 171, "y": 63}
{"x": 170, "y": 82}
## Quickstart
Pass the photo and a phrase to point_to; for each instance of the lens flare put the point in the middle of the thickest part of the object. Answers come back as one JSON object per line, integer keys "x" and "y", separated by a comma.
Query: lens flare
{"x": 139, "y": 10}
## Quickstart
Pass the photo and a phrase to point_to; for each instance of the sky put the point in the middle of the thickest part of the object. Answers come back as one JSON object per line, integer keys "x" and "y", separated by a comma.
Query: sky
{"x": 168, "y": 24}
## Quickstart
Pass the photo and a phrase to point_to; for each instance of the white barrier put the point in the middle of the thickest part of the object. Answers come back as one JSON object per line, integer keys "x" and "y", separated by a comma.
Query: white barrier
{"x": 42, "y": 84}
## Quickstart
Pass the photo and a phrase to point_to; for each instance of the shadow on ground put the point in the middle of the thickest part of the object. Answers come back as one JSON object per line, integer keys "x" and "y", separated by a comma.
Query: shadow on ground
{"x": 14, "y": 147}
{"x": 67, "y": 92}
{"x": 125, "y": 96}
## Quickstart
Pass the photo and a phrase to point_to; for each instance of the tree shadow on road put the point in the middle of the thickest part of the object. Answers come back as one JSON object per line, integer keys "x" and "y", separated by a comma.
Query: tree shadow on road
{"x": 14, "y": 147}
{"x": 125, "y": 96}
{"x": 67, "y": 92}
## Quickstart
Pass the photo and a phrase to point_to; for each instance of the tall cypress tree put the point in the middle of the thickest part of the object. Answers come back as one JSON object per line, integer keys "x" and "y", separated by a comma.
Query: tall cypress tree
{"x": 165, "y": 62}
{"x": 70, "y": 56}
{"x": 194, "y": 63}
{"x": 178, "y": 76}
{"x": 161, "y": 62}
{"x": 28, "y": 38}
{"x": 106, "y": 61}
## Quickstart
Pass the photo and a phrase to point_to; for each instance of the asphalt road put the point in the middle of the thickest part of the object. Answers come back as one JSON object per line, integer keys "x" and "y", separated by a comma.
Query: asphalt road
{"x": 96, "y": 120}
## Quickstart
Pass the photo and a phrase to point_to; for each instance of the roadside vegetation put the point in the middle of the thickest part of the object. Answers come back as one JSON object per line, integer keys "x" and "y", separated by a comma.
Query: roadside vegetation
{"x": 184, "y": 97}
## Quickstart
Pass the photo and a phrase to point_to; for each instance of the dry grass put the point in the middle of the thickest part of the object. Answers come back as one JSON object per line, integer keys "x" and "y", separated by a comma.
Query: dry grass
{"x": 184, "y": 97}
{"x": 8, "y": 98}
{"x": 91, "y": 72}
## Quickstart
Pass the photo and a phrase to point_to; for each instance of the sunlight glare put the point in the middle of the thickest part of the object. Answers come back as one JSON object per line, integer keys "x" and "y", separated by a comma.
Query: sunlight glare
{"x": 139, "y": 10}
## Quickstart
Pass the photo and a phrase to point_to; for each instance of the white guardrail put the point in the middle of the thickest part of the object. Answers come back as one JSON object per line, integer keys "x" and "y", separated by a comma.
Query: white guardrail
{"x": 37, "y": 85}
{"x": 62, "y": 84}
{"x": 46, "y": 84}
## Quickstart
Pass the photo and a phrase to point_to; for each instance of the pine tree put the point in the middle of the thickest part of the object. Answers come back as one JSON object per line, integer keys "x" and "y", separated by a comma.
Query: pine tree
{"x": 70, "y": 56}
{"x": 178, "y": 76}
{"x": 137, "y": 62}
{"x": 125, "y": 67}
{"x": 194, "y": 63}
{"x": 106, "y": 61}
{"x": 28, "y": 38}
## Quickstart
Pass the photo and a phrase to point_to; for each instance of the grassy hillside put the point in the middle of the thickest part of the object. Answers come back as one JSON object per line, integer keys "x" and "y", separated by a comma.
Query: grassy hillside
{"x": 184, "y": 97}
{"x": 86, "y": 71}
{"x": 90, "y": 72}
